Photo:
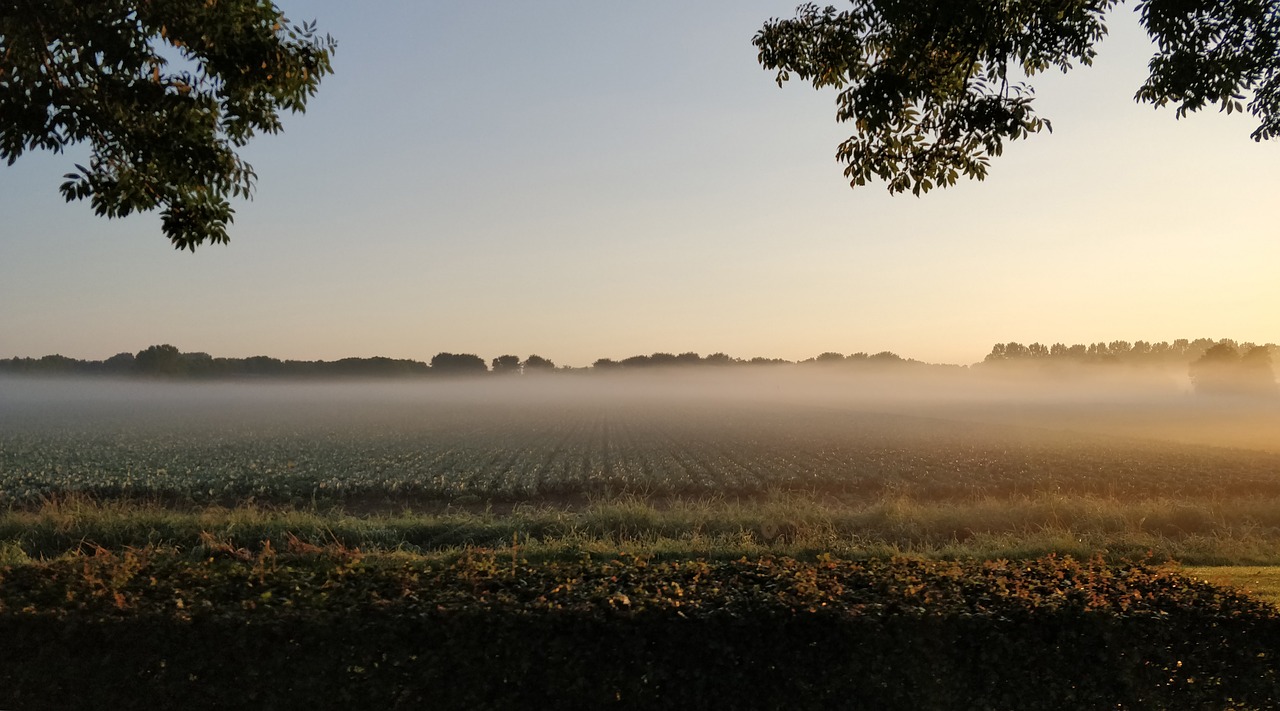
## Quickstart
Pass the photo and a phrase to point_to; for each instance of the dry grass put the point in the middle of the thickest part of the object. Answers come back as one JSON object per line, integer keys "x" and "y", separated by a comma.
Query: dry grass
{"x": 1262, "y": 582}
{"x": 1203, "y": 533}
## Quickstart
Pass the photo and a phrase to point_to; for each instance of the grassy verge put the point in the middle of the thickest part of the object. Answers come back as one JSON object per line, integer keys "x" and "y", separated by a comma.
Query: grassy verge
{"x": 1261, "y": 582}
{"x": 1199, "y": 533}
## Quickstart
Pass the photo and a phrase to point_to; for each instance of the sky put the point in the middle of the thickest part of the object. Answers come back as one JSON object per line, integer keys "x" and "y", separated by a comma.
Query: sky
{"x": 587, "y": 180}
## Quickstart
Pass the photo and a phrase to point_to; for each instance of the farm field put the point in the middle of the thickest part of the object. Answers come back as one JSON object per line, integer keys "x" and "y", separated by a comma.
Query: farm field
{"x": 557, "y": 469}
{"x": 394, "y": 540}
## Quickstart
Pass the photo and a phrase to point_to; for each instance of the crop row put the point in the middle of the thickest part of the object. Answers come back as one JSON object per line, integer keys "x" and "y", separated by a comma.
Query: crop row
{"x": 511, "y": 453}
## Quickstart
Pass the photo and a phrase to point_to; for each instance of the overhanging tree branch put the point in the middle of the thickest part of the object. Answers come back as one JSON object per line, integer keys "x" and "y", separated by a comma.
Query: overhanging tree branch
{"x": 76, "y": 72}
{"x": 925, "y": 83}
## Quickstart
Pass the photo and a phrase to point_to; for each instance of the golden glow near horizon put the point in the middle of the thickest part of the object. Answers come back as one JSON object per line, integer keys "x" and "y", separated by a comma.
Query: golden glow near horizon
{"x": 583, "y": 183}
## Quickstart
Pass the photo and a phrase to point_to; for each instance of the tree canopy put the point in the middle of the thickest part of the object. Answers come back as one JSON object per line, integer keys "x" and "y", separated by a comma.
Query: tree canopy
{"x": 458, "y": 363}
{"x": 1216, "y": 366}
{"x": 506, "y": 364}
{"x": 933, "y": 90}
{"x": 1224, "y": 370}
{"x": 163, "y": 91}
{"x": 536, "y": 364}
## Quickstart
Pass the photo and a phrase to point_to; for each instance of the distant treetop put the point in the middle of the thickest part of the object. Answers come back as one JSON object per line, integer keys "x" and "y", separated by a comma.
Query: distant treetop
{"x": 1225, "y": 370}
{"x": 1214, "y": 367}
{"x": 458, "y": 364}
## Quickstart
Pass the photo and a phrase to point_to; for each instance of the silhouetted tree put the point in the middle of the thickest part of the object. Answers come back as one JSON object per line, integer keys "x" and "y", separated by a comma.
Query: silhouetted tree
{"x": 457, "y": 364}
{"x": 1255, "y": 368}
{"x": 57, "y": 364}
{"x": 886, "y": 357}
{"x": 538, "y": 364}
{"x": 119, "y": 364}
{"x": 506, "y": 365}
{"x": 719, "y": 359}
{"x": 932, "y": 87}
{"x": 159, "y": 360}
{"x": 662, "y": 359}
{"x": 1222, "y": 370}
{"x": 377, "y": 366}
{"x": 161, "y": 134}
{"x": 261, "y": 365}
{"x": 196, "y": 364}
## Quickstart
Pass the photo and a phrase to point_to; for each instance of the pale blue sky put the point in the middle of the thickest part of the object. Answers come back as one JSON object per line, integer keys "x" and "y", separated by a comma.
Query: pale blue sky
{"x": 585, "y": 180}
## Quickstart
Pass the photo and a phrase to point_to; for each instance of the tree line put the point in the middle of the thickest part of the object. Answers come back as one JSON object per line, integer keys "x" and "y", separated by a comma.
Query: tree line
{"x": 168, "y": 361}
{"x": 1213, "y": 366}
{"x": 1222, "y": 367}
{"x": 1178, "y": 353}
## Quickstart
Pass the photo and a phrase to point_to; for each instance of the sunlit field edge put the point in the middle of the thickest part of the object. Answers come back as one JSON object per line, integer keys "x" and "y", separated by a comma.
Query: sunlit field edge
{"x": 1197, "y": 533}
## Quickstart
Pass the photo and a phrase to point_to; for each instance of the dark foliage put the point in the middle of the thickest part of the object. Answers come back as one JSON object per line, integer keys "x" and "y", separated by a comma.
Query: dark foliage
{"x": 537, "y": 364}
{"x": 506, "y": 365}
{"x": 931, "y": 86}
{"x": 166, "y": 360}
{"x": 458, "y": 364}
{"x": 144, "y": 631}
{"x": 164, "y": 92}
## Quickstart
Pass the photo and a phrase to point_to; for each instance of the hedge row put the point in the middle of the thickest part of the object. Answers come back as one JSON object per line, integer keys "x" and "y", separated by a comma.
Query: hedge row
{"x": 333, "y": 630}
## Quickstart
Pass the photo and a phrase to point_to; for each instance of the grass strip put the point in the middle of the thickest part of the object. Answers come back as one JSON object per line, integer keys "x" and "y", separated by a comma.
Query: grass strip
{"x": 1240, "y": 532}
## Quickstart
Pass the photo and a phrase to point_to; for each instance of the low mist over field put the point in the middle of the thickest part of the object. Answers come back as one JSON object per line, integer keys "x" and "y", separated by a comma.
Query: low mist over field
{"x": 859, "y": 456}
{"x": 1158, "y": 404}
{"x": 925, "y": 460}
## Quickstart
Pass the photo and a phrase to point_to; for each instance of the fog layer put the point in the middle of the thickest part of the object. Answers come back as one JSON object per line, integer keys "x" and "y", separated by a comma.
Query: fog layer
{"x": 1155, "y": 405}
